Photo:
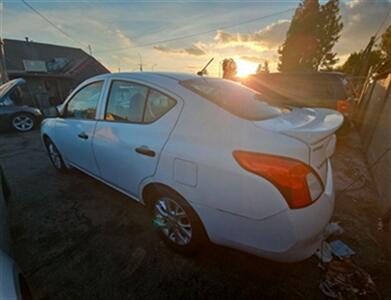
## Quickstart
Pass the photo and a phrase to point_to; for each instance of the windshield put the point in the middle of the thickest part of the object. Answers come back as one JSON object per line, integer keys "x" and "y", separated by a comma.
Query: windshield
{"x": 233, "y": 97}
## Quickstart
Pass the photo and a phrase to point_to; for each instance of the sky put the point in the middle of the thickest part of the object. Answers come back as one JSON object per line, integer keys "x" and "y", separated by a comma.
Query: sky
{"x": 180, "y": 36}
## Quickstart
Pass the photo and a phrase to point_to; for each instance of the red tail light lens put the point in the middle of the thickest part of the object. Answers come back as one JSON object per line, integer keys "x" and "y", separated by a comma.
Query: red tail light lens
{"x": 342, "y": 106}
{"x": 296, "y": 181}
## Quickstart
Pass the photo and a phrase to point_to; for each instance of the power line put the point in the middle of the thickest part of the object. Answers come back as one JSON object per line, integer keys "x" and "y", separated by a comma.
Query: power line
{"x": 382, "y": 24}
{"x": 197, "y": 33}
{"x": 53, "y": 24}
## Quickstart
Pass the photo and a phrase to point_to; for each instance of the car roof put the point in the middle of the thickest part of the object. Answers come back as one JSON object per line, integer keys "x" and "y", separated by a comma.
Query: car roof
{"x": 148, "y": 75}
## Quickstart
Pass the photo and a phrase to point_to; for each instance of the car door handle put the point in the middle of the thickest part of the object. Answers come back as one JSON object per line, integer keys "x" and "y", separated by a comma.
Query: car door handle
{"x": 83, "y": 135}
{"x": 144, "y": 150}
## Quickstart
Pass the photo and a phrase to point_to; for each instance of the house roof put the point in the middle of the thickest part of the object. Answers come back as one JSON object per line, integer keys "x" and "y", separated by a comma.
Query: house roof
{"x": 16, "y": 51}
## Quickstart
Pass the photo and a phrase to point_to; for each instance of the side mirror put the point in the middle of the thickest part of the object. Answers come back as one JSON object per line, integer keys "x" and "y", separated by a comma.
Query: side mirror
{"x": 52, "y": 111}
{"x": 60, "y": 109}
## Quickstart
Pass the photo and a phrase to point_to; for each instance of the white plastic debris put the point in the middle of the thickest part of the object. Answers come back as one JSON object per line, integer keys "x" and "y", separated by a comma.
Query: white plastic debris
{"x": 332, "y": 229}
{"x": 325, "y": 253}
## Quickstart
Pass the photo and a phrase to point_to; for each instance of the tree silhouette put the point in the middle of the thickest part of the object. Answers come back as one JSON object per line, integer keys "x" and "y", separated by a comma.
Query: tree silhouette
{"x": 312, "y": 34}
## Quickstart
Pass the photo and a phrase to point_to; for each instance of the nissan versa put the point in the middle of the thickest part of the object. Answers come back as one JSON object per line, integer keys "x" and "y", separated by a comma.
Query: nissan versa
{"x": 209, "y": 158}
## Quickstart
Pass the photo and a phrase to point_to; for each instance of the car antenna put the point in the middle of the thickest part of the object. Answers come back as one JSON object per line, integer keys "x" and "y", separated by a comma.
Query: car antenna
{"x": 203, "y": 71}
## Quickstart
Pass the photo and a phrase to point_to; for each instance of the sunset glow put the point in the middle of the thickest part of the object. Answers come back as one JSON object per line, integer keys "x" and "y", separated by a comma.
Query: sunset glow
{"x": 245, "y": 67}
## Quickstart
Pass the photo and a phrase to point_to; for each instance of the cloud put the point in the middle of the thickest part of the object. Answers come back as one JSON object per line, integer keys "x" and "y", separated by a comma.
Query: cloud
{"x": 122, "y": 39}
{"x": 193, "y": 50}
{"x": 253, "y": 58}
{"x": 270, "y": 37}
{"x": 361, "y": 19}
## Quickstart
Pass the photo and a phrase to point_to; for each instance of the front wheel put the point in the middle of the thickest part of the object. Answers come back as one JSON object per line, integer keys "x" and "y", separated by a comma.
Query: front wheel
{"x": 23, "y": 122}
{"x": 178, "y": 224}
{"x": 55, "y": 156}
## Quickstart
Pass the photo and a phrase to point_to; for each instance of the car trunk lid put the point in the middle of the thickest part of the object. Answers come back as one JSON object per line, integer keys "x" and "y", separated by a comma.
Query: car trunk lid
{"x": 314, "y": 127}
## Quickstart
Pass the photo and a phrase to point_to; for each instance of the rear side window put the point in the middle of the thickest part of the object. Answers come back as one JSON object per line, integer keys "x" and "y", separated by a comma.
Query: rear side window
{"x": 134, "y": 103}
{"x": 233, "y": 97}
{"x": 157, "y": 105}
{"x": 126, "y": 102}
{"x": 83, "y": 103}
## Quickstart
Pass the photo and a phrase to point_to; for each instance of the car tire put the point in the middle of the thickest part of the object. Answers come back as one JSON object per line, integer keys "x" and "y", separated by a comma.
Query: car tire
{"x": 55, "y": 155}
{"x": 23, "y": 122}
{"x": 177, "y": 223}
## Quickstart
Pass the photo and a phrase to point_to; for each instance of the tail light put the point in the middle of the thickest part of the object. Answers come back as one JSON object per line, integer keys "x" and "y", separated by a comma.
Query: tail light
{"x": 342, "y": 106}
{"x": 296, "y": 181}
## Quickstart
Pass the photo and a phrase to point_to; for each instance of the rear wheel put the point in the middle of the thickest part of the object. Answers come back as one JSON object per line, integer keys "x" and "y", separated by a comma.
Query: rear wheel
{"x": 177, "y": 223}
{"x": 54, "y": 155}
{"x": 23, "y": 122}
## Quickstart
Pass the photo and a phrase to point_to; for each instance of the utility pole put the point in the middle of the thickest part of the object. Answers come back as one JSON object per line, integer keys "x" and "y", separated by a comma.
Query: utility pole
{"x": 90, "y": 49}
{"x": 141, "y": 62}
{"x": 3, "y": 67}
{"x": 366, "y": 55}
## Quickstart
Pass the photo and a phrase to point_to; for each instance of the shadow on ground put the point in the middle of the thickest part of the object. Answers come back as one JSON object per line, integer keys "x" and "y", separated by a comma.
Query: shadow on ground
{"x": 76, "y": 238}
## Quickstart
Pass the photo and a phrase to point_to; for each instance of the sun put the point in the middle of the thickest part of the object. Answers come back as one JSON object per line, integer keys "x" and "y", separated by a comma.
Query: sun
{"x": 245, "y": 68}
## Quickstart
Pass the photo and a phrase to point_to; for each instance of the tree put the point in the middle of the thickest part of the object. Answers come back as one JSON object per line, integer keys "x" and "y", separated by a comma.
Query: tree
{"x": 312, "y": 34}
{"x": 385, "y": 44}
{"x": 229, "y": 69}
{"x": 262, "y": 69}
{"x": 385, "y": 48}
{"x": 330, "y": 26}
{"x": 259, "y": 69}
{"x": 353, "y": 65}
{"x": 299, "y": 49}
{"x": 266, "y": 67}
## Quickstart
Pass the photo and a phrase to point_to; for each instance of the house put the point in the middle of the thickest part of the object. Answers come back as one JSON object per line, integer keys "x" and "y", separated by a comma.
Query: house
{"x": 50, "y": 71}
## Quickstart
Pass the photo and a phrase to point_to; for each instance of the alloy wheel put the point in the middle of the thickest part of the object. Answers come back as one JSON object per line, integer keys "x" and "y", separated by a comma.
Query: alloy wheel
{"x": 23, "y": 122}
{"x": 54, "y": 156}
{"x": 173, "y": 221}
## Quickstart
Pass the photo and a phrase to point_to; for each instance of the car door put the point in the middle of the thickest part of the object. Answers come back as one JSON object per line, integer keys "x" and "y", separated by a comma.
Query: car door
{"x": 75, "y": 129}
{"x": 128, "y": 141}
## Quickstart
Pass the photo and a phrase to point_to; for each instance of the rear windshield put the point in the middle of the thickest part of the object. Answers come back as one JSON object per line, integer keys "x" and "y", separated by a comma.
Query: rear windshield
{"x": 234, "y": 98}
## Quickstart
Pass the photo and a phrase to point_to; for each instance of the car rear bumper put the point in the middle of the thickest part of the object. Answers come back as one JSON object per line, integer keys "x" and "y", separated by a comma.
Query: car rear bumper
{"x": 310, "y": 222}
{"x": 288, "y": 236}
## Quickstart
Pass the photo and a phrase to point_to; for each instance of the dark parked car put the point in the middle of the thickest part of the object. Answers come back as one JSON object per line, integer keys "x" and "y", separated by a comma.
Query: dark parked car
{"x": 313, "y": 89}
{"x": 18, "y": 117}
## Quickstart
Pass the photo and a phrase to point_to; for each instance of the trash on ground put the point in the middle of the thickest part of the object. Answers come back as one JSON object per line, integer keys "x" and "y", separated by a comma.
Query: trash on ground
{"x": 325, "y": 253}
{"x": 332, "y": 229}
{"x": 341, "y": 279}
{"x": 340, "y": 249}
{"x": 158, "y": 223}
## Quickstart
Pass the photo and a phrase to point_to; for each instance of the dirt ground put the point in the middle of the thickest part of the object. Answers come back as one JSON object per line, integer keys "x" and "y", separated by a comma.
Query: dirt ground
{"x": 76, "y": 238}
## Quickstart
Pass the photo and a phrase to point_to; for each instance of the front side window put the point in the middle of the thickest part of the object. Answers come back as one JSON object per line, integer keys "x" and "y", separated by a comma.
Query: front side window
{"x": 84, "y": 102}
{"x": 126, "y": 102}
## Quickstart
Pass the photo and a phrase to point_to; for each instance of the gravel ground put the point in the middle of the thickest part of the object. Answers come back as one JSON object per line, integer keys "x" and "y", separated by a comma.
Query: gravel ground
{"x": 76, "y": 238}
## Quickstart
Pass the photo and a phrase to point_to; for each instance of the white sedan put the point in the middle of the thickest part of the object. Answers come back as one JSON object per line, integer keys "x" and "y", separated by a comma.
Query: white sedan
{"x": 209, "y": 158}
